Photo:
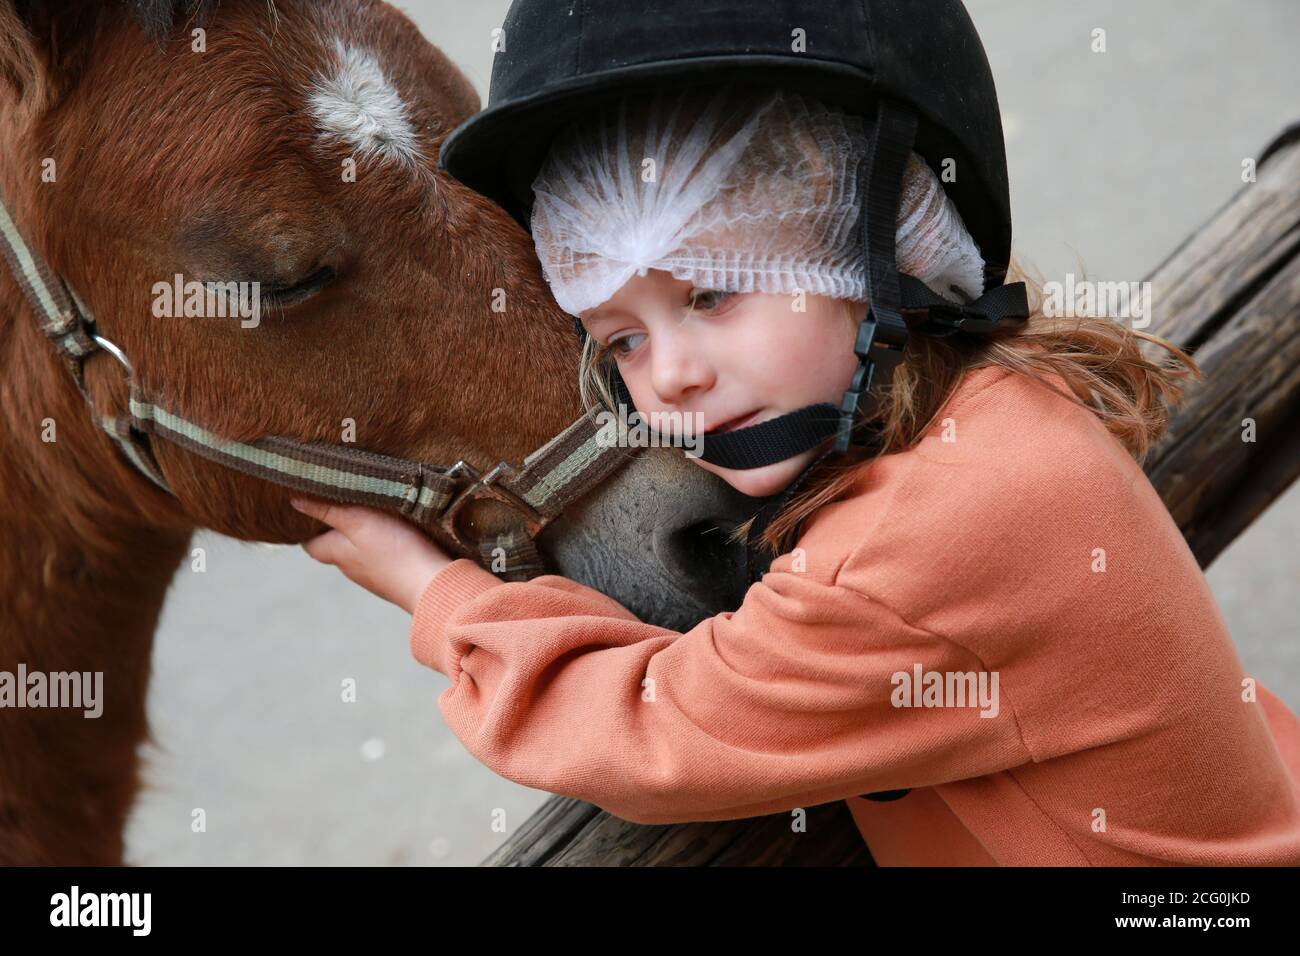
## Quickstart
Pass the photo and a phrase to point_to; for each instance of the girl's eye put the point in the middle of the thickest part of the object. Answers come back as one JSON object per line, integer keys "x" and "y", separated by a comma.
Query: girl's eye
{"x": 707, "y": 300}
{"x": 617, "y": 344}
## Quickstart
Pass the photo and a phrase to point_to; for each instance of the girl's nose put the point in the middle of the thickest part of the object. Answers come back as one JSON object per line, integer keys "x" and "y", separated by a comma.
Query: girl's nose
{"x": 679, "y": 365}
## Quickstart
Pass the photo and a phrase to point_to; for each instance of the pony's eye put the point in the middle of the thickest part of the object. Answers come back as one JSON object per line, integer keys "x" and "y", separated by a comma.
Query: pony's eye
{"x": 706, "y": 300}
{"x": 287, "y": 295}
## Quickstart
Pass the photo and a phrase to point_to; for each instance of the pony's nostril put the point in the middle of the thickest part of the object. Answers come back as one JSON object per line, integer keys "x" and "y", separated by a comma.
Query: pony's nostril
{"x": 705, "y": 561}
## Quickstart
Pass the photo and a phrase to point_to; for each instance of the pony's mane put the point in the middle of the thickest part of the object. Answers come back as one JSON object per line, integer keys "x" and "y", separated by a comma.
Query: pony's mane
{"x": 160, "y": 17}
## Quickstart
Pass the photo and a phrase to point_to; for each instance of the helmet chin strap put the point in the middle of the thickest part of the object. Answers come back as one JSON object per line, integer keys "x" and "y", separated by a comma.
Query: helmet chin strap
{"x": 766, "y": 443}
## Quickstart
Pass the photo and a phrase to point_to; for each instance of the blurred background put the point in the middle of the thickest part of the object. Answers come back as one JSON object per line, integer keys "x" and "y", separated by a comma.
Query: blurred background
{"x": 1114, "y": 160}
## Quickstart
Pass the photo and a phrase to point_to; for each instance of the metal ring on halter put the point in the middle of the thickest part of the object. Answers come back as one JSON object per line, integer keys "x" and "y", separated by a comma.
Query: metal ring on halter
{"x": 114, "y": 351}
{"x": 487, "y": 485}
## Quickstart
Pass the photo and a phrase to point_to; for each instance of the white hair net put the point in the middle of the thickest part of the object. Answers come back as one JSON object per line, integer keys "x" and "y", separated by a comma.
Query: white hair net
{"x": 735, "y": 191}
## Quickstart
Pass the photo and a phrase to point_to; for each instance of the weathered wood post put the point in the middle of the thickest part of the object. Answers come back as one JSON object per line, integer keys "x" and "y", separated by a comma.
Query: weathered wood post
{"x": 1230, "y": 295}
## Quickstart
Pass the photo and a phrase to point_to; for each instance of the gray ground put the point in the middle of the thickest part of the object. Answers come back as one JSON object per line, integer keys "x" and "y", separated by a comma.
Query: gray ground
{"x": 1114, "y": 159}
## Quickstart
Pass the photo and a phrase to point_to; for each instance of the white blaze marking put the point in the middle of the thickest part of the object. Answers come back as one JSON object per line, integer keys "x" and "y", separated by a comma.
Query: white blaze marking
{"x": 358, "y": 105}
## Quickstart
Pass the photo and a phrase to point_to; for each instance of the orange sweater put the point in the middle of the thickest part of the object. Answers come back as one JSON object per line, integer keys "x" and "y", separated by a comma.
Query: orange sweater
{"x": 1018, "y": 541}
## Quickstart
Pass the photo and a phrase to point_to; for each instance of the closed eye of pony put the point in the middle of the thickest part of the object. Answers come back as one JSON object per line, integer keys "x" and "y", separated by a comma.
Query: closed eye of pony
{"x": 284, "y": 295}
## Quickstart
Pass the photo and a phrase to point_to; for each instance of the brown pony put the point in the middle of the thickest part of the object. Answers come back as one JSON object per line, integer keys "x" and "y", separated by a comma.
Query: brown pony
{"x": 293, "y": 144}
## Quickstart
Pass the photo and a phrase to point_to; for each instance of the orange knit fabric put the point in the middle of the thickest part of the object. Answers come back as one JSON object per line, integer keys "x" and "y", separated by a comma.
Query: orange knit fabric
{"x": 1018, "y": 539}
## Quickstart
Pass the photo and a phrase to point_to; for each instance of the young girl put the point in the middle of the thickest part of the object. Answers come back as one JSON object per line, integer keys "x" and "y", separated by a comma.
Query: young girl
{"x": 993, "y": 612}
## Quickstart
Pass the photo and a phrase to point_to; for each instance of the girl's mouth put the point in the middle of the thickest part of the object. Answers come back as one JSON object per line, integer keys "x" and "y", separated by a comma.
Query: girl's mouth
{"x": 734, "y": 423}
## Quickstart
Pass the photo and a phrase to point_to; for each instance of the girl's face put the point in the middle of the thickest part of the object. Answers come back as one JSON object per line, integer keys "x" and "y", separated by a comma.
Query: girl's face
{"x": 728, "y": 356}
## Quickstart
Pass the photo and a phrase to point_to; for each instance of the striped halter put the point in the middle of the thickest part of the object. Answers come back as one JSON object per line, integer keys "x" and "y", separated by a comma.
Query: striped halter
{"x": 561, "y": 471}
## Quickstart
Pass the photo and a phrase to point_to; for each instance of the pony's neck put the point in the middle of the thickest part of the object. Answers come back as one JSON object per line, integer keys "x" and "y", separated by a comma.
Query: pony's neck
{"x": 75, "y": 521}
{"x": 83, "y": 573}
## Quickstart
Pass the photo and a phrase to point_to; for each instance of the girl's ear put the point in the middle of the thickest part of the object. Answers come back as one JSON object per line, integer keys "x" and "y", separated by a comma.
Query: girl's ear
{"x": 42, "y": 49}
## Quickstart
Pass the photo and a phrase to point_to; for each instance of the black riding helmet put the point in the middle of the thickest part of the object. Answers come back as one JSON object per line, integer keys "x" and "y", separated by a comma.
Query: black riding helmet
{"x": 917, "y": 71}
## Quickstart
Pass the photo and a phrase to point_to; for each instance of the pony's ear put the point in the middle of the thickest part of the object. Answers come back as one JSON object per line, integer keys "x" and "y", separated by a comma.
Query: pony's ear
{"x": 43, "y": 45}
{"x": 19, "y": 68}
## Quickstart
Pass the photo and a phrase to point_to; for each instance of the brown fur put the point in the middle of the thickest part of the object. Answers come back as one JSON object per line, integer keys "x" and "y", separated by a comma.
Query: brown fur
{"x": 170, "y": 161}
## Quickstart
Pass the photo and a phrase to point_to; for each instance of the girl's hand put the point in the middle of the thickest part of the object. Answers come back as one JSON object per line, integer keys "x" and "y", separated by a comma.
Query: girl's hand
{"x": 381, "y": 552}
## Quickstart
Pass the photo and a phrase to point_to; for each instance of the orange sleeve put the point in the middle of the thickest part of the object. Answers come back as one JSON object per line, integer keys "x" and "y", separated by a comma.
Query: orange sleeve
{"x": 783, "y": 703}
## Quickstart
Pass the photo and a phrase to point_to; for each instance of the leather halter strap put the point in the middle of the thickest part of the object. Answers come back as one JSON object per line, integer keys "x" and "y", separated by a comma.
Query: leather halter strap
{"x": 560, "y": 472}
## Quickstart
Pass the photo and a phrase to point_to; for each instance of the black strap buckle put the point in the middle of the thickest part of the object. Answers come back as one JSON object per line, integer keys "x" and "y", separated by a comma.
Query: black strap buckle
{"x": 881, "y": 342}
{"x": 881, "y": 337}
{"x": 944, "y": 319}
{"x": 997, "y": 308}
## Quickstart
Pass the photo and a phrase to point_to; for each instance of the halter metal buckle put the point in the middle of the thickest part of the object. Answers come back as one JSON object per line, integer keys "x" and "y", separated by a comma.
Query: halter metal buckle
{"x": 487, "y": 486}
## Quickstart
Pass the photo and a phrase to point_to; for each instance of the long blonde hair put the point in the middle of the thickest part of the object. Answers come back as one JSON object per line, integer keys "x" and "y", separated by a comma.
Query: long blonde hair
{"x": 1100, "y": 360}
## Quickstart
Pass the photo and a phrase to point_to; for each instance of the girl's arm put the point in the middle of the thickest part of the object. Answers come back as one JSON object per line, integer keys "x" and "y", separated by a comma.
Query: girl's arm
{"x": 783, "y": 703}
